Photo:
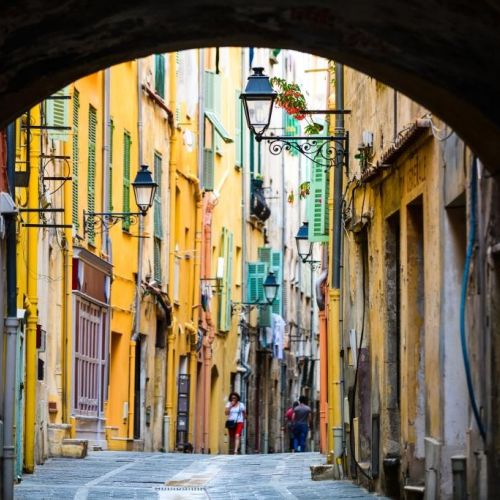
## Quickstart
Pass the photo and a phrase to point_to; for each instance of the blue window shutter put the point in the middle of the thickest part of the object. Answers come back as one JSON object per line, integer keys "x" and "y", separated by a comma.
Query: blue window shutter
{"x": 318, "y": 204}
{"x": 92, "y": 139}
{"x": 238, "y": 142}
{"x": 76, "y": 158}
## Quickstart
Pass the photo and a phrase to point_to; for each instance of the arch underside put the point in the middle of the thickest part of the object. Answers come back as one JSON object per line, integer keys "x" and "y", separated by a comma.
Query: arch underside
{"x": 445, "y": 55}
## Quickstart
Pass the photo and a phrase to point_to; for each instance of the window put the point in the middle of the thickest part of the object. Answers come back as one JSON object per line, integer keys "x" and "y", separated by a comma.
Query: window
{"x": 76, "y": 155}
{"x": 158, "y": 229}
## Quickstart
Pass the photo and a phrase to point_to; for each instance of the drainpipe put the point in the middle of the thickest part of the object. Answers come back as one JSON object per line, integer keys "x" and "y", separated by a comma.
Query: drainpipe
{"x": 170, "y": 381}
{"x": 140, "y": 244}
{"x": 195, "y": 300}
{"x": 31, "y": 354}
{"x": 11, "y": 325}
{"x": 334, "y": 361}
{"x": 67, "y": 313}
{"x": 106, "y": 156}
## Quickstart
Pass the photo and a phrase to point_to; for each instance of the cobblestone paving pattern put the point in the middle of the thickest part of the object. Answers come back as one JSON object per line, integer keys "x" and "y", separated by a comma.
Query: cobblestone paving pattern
{"x": 169, "y": 476}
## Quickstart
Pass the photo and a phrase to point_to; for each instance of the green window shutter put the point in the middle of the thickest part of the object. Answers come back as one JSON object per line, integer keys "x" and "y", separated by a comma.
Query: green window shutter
{"x": 157, "y": 260}
{"x": 256, "y": 273}
{"x": 265, "y": 255}
{"x": 110, "y": 166}
{"x": 160, "y": 75}
{"x": 238, "y": 140}
{"x": 291, "y": 127}
{"x": 229, "y": 279}
{"x": 318, "y": 204}
{"x": 277, "y": 265}
{"x": 76, "y": 157}
{"x": 209, "y": 90}
{"x": 265, "y": 313}
{"x": 56, "y": 110}
{"x": 92, "y": 169}
{"x": 157, "y": 222}
{"x": 158, "y": 230}
{"x": 208, "y": 170}
{"x": 126, "y": 179}
{"x": 217, "y": 96}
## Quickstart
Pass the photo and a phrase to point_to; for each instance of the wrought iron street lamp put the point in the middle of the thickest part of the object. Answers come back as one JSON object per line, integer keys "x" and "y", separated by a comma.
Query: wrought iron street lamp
{"x": 258, "y": 101}
{"x": 271, "y": 287}
{"x": 305, "y": 247}
{"x": 144, "y": 192}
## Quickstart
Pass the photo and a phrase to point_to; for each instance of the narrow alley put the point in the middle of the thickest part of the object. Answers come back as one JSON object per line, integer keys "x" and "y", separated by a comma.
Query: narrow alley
{"x": 242, "y": 242}
{"x": 166, "y": 476}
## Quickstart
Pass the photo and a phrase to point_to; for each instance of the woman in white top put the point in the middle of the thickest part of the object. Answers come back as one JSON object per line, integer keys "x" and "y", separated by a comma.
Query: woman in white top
{"x": 236, "y": 416}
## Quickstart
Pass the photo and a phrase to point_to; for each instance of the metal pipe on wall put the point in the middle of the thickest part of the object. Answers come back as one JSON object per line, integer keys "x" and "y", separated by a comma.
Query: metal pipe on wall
{"x": 11, "y": 324}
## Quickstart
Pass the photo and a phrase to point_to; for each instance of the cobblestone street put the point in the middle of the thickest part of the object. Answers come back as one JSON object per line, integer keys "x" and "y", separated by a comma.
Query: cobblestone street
{"x": 182, "y": 476}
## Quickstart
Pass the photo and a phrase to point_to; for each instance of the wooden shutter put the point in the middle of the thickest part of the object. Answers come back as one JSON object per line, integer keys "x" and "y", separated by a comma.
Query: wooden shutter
{"x": 229, "y": 279}
{"x": 277, "y": 265}
{"x": 157, "y": 223}
{"x": 56, "y": 110}
{"x": 225, "y": 297}
{"x": 256, "y": 273}
{"x": 160, "y": 75}
{"x": 209, "y": 90}
{"x": 238, "y": 140}
{"x": 318, "y": 204}
{"x": 208, "y": 170}
{"x": 217, "y": 97}
{"x": 76, "y": 158}
{"x": 126, "y": 179}
{"x": 110, "y": 165}
{"x": 92, "y": 139}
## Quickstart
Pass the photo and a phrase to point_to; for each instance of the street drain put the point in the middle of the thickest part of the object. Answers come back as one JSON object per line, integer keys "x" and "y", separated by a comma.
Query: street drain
{"x": 179, "y": 488}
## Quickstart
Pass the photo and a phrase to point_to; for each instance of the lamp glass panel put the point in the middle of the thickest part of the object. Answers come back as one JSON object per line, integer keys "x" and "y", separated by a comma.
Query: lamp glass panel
{"x": 144, "y": 196}
{"x": 259, "y": 113}
{"x": 303, "y": 247}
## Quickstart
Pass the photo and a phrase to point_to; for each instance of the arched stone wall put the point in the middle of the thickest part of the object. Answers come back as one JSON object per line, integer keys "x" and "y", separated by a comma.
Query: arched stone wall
{"x": 443, "y": 54}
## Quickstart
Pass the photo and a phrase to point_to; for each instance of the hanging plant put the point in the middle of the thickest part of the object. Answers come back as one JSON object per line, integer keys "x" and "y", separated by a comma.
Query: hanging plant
{"x": 291, "y": 99}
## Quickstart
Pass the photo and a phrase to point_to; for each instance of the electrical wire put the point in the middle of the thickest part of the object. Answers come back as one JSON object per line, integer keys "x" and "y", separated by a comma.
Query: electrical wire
{"x": 463, "y": 297}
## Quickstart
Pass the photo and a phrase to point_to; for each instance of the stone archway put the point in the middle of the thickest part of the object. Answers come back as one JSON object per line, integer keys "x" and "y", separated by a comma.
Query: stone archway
{"x": 445, "y": 55}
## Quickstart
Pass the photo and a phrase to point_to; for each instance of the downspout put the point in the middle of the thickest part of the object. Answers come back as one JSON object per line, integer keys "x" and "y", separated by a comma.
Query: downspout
{"x": 106, "y": 157}
{"x": 67, "y": 316}
{"x": 10, "y": 331}
{"x": 140, "y": 243}
{"x": 335, "y": 400}
{"x": 170, "y": 380}
{"x": 195, "y": 302}
{"x": 32, "y": 302}
{"x": 210, "y": 327}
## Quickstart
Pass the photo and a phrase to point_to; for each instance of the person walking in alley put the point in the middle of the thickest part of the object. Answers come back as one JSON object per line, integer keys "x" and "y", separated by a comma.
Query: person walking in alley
{"x": 236, "y": 416}
{"x": 301, "y": 422}
{"x": 289, "y": 424}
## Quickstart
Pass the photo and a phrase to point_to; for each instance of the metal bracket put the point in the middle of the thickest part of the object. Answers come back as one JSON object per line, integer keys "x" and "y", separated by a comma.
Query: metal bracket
{"x": 325, "y": 151}
{"x": 105, "y": 220}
